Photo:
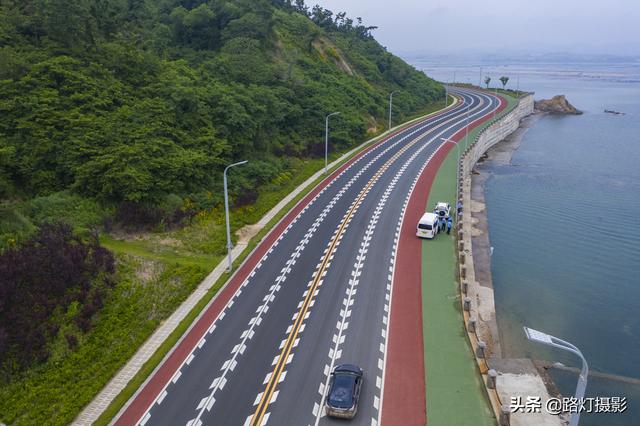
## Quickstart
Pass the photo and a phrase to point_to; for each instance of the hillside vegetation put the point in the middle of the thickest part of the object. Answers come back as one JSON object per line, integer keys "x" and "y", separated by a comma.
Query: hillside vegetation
{"x": 133, "y": 100}
{"x": 117, "y": 118}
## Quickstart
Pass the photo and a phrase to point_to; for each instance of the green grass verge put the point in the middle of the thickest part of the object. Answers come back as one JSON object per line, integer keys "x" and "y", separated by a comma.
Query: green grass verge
{"x": 173, "y": 338}
{"x": 160, "y": 253}
{"x": 454, "y": 388}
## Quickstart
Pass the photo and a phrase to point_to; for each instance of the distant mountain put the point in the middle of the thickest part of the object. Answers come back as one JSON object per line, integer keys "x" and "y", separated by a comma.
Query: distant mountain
{"x": 499, "y": 58}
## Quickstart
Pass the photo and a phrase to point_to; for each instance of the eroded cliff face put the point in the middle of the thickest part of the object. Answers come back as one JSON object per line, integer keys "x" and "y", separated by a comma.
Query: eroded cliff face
{"x": 556, "y": 105}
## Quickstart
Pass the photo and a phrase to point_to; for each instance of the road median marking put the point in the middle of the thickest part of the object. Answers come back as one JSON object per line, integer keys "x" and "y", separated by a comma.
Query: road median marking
{"x": 297, "y": 327}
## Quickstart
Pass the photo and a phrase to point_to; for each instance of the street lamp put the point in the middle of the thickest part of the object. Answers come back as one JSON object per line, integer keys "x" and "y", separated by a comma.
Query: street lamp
{"x": 547, "y": 339}
{"x": 326, "y": 139}
{"x": 226, "y": 211}
{"x": 466, "y": 133}
{"x": 457, "y": 165}
{"x": 446, "y": 96}
{"x": 390, "y": 104}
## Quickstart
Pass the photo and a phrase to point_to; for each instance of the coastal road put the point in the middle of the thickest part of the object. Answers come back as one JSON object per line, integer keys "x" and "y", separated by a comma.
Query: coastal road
{"x": 315, "y": 293}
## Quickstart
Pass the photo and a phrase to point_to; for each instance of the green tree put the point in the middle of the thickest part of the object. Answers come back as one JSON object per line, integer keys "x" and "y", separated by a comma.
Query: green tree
{"x": 68, "y": 22}
{"x": 487, "y": 80}
{"x": 6, "y": 158}
{"x": 201, "y": 27}
{"x": 251, "y": 25}
{"x": 504, "y": 80}
{"x": 129, "y": 100}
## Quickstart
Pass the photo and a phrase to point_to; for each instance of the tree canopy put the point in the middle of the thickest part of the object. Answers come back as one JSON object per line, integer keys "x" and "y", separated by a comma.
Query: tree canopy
{"x": 133, "y": 100}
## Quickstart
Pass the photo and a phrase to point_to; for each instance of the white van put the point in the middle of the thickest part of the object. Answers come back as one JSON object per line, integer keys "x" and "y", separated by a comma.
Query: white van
{"x": 427, "y": 226}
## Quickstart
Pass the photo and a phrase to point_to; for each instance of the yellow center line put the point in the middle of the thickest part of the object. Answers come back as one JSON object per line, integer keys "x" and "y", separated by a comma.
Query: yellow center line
{"x": 293, "y": 334}
{"x": 258, "y": 415}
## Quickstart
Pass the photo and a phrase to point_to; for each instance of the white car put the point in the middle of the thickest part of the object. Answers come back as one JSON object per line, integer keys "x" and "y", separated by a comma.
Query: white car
{"x": 443, "y": 210}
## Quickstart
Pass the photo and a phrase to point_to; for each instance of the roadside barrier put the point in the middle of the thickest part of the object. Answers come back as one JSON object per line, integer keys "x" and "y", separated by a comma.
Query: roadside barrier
{"x": 497, "y": 130}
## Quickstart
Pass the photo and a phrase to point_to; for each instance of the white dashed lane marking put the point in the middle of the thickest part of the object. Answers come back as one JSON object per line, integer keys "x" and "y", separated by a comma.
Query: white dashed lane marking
{"x": 256, "y": 321}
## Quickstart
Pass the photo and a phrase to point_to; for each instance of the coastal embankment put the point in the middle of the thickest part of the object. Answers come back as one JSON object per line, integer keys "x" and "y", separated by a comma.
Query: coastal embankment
{"x": 504, "y": 378}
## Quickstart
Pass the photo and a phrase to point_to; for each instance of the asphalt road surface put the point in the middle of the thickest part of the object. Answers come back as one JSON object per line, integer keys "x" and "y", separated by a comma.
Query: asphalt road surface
{"x": 314, "y": 294}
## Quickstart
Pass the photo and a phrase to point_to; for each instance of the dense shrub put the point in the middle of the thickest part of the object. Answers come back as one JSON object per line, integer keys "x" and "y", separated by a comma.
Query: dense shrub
{"x": 51, "y": 272}
{"x": 81, "y": 213}
{"x": 139, "y": 216}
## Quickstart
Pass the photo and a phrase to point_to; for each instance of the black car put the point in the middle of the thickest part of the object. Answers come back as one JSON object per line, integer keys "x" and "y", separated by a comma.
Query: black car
{"x": 344, "y": 391}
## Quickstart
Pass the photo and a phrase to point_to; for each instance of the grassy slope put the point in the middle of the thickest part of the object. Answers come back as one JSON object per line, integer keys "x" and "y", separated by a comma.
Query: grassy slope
{"x": 454, "y": 391}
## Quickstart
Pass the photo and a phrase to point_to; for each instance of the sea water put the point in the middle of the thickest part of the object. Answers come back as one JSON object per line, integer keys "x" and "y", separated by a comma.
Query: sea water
{"x": 564, "y": 221}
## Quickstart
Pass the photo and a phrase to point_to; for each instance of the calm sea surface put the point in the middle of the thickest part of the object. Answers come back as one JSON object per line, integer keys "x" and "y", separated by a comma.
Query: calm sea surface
{"x": 564, "y": 222}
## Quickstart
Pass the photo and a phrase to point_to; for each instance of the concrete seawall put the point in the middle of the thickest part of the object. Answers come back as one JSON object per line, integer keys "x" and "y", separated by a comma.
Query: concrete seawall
{"x": 503, "y": 378}
{"x": 481, "y": 293}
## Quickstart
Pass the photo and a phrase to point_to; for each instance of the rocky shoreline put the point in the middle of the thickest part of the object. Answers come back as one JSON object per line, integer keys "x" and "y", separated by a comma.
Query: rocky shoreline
{"x": 556, "y": 105}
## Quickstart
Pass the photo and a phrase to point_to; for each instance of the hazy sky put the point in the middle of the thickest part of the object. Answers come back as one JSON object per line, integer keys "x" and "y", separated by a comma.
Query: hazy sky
{"x": 582, "y": 26}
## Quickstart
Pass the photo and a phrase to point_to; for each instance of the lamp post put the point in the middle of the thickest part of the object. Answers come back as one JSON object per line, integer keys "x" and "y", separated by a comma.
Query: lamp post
{"x": 390, "y": 105}
{"x": 226, "y": 211}
{"x": 446, "y": 96}
{"x": 466, "y": 133}
{"x": 457, "y": 165}
{"x": 495, "y": 92}
{"x": 547, "y": 339}
{"x": 326, "y": 139}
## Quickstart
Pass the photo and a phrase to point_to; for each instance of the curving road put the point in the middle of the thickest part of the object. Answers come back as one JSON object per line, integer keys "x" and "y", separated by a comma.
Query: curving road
{"x": 316, "y": 292}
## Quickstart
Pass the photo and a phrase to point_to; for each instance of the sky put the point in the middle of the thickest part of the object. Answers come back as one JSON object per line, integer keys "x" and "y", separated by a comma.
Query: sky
{"x": 524, "y": 26}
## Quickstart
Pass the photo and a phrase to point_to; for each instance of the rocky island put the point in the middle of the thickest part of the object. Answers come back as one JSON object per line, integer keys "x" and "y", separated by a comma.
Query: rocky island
{"x": 556, "y": 105}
